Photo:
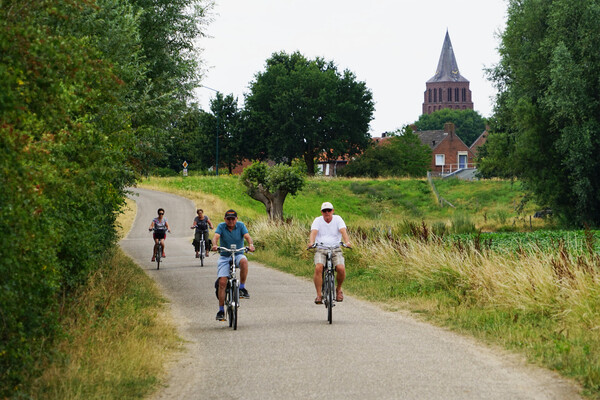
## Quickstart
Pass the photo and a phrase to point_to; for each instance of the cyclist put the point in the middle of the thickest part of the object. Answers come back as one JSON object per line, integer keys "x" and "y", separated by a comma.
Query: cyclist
{"x": 328, "y": 229}
{"x": 201, "y": 224}
{"x": 162, "y": 226}
{"x": 231, "y": 232}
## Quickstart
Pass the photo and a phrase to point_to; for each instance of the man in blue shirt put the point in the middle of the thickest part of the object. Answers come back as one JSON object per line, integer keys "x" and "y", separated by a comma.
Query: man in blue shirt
{"x": 227, "y": 233}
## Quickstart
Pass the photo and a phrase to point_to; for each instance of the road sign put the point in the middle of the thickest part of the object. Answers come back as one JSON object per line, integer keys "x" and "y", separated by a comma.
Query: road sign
{"x": 185, "y": 172}
{"x": 185, "y": 164}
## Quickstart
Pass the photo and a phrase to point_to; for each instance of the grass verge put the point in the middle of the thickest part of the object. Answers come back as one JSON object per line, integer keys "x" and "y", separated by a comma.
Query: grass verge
{"x": 118, "y": 336}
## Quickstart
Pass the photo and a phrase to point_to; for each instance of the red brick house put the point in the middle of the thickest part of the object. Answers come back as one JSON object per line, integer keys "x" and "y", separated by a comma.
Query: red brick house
{"x": 449, "y": 152}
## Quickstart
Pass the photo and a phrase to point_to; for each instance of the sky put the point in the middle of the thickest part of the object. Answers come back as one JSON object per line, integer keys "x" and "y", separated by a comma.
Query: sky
{"x": 391, "y": 45}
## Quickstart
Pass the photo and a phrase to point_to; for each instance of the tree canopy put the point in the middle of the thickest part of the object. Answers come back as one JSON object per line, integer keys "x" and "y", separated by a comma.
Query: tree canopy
{"x": 306, "y": 108}
{"x": 469, "y": 124}
{"x": 548, "y": 106}
{"x": 400, "y": 155}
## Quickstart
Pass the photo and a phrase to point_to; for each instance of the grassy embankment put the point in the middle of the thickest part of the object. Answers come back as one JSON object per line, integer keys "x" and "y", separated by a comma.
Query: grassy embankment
{"x": 117, "y": 339}
{"x": 541, "y": 300}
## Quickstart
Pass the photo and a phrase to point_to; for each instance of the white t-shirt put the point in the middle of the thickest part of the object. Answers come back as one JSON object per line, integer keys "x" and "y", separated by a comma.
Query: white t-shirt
{"x": 328, "y": 233}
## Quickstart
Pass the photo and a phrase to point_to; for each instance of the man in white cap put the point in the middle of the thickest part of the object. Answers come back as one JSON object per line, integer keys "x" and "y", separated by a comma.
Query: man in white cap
{"x": 328, "y": 230}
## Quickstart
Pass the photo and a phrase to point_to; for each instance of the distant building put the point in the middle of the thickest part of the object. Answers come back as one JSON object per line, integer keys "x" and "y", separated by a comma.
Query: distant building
{"x": 449, "y": 153}
{"x": 447, "y": 88}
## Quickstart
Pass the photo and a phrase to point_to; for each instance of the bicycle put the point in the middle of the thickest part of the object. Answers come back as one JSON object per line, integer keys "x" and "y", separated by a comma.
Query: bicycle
{"x": 232, "y": 292}
{"x": 201, "y": 246}
{"x": 158, "y": 247}
{"x": 328, "y": 288}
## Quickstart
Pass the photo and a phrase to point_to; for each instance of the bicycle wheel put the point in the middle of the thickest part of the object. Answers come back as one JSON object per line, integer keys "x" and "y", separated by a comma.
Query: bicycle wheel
{"x": 236, "y": 303}
{"x": 158, "y": 255}
{"x": 330, "y": 291}
{"x": 202, "y": 253}
{"x": 229, "y": 305}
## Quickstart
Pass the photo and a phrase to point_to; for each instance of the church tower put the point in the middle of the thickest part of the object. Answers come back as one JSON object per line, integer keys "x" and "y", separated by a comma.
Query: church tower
{"x": 448, "y": 88}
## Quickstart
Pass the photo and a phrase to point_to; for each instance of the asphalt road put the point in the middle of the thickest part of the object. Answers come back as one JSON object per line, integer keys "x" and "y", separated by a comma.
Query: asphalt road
{"x": 285, "y": 349}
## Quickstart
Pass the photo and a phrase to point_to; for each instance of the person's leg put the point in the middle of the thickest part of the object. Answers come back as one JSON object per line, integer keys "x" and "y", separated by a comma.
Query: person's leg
{"x": 340, "y": 276}
{"x": 162, "y": 242}
{"x": 197, "y": 242}
{"x": 318, "y": 279}
{"x": 154, "y": 249}
{"x": 222, "y": 287}
{"x": 243, "y": 266}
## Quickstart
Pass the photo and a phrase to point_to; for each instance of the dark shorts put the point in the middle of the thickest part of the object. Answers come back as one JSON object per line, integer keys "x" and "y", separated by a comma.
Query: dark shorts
{"x": 160, "y": 235}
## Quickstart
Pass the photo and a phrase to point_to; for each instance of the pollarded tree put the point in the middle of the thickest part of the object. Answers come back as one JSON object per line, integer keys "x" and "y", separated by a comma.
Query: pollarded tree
{"x": 299, "y": 108}
{"x": 549, "y": 103}
{"x": 271, "y": 185}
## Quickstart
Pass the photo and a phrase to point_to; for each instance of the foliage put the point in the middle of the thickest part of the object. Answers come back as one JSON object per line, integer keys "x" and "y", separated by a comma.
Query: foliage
{"x": 306, "y": 108}
{"x": 79, "y": 84}
{"x": 401, "y": 155}
{"x": 469, "y": 124}
{"x": 548, "y": 105}
{"x": 271, "y": 185}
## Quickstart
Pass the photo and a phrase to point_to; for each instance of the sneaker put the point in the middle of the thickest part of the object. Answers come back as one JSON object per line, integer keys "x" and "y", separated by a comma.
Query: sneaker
{"x": 221, "y": 316}
{"x": 244, "y": 294}
{"x": 163, "y": 255}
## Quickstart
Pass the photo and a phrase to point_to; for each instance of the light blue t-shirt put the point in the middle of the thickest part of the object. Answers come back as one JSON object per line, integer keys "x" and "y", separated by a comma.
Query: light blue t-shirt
{"x": 235, "y": 236}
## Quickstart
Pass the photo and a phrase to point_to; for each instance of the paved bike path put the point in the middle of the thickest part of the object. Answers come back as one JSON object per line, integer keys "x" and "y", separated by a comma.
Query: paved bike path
{"x": 284, "y": 347}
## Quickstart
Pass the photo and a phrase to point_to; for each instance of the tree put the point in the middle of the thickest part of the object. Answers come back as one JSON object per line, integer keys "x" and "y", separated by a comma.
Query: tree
{"x": 306, "y": 108}
{"x": 548, "y": 103}
{"x": 271, "y": 185}
{"x": 401, "y": 155}
{"x": 469, "y": 124}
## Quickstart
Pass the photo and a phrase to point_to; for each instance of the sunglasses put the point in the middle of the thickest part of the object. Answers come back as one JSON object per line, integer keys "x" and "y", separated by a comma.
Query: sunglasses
{"x": 230, "y": 218}
{"x": 161, "y": 213}
{"x": 327, "y": 210}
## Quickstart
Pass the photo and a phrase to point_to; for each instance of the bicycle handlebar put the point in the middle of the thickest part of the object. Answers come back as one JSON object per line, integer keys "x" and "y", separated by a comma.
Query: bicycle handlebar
{"x": 245, "y": 249}
{"x": 326, "y": 247}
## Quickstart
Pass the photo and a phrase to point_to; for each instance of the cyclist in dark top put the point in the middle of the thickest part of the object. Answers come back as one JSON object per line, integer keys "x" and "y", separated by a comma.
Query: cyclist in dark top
{"x": 201, "y": 224}
{"x": 162, "y": 227}
{"x": 231, "y": 232}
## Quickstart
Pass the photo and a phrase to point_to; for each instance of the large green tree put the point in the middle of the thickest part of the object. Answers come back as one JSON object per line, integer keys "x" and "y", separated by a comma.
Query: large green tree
{"x": 403, "y": 154}
{"x": 469, "y": 124}
{"x": 306, "y": 108}
{"x": 548, "y": 106}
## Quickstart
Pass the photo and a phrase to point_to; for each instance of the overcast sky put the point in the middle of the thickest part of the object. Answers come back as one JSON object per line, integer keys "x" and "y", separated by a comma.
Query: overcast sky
{"x": 391, "y": 45}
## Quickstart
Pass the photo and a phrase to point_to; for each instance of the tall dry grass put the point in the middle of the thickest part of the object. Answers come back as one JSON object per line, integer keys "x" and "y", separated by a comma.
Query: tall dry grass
{"x": 543, "y": 303}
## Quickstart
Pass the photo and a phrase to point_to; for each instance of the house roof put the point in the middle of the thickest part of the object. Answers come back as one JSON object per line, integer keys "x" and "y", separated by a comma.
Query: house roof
{"x": 480, "y": 141}
{"x": 432, "y": 138}
{"x": 447, "y": 69}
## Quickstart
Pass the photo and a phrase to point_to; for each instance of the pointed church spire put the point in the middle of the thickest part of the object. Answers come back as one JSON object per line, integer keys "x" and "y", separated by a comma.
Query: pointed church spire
{"x": 447, "y": 69}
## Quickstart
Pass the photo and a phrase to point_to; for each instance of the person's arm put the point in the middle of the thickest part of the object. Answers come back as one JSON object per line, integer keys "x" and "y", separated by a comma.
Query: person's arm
{"x": 216, "y": 242}
{"x": 151, "y": 225}
{"x": 194, "y": 224}
{"x": 250, "y": 241}
{"x": 312, "y": 237}
{"x": 210, "y": 223}
{"x": 167, "y": 225}
{"x": 344, "y": 233}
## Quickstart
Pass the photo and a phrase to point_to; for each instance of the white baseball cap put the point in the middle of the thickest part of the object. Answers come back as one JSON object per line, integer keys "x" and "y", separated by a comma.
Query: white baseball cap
{"x": 326, "y": 205}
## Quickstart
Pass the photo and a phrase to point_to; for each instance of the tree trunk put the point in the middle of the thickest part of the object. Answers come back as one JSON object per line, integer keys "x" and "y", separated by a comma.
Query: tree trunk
{"x": 309, "y": 160}
{"x": 277, "y": 206}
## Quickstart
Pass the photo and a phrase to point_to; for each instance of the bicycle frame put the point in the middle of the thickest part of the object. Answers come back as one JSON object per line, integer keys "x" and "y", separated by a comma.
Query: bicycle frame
{"x": 158, "y": 247}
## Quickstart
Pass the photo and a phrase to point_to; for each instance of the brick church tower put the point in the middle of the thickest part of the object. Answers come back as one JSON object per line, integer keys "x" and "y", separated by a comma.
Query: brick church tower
{"x": 448, "y": 88}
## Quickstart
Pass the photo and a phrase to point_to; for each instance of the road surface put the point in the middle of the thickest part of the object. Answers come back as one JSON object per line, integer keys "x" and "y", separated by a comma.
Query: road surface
{"x": 285, "y": 349}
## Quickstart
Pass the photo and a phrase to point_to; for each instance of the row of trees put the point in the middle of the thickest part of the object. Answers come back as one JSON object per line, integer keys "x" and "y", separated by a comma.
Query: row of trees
{"x": 87, "y": 91}
{"x": 296, "y": 109}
